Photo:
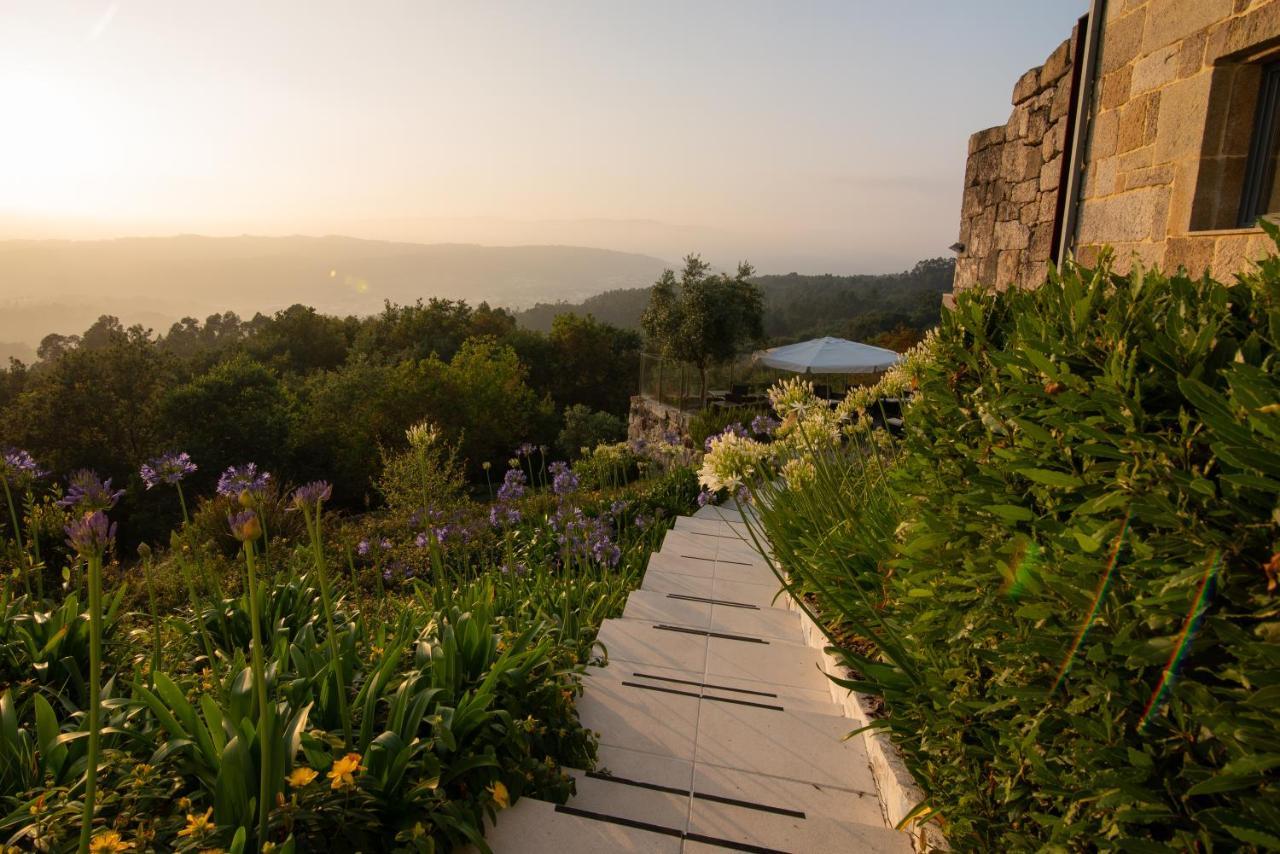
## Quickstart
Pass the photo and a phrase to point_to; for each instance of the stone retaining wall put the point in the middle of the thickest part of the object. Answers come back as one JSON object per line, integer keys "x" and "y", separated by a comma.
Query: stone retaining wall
{"x": 652, "y": 422}
{"x": 1010, "y": 208}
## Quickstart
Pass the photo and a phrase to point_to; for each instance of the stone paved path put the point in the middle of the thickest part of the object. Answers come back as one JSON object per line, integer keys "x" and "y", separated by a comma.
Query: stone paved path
{"x": 717, "y": 726}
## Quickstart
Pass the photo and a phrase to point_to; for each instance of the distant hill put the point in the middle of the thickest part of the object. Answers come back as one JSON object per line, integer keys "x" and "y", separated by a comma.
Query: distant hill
{"x": 53, "y": 285}
{"x": 799, "y": 306}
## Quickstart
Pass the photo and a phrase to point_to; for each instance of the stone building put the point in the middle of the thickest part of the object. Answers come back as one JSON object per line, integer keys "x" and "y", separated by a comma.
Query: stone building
{"x": 1153, "y": 129}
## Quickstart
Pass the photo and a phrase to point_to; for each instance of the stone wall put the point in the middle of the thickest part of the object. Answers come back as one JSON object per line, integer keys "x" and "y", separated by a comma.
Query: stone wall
{"x": 1172, "y": 118}
{"x": 653, "y": 422}
{"x": 1010, "y": 207}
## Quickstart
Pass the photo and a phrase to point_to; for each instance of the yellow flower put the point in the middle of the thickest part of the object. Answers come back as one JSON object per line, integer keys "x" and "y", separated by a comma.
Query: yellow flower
{"x": 198, "y": 825}
{"x": 500, "y": 796}
{"x": 108, "y": 842}
{"x": 301, "y": 776}
{"x": 344, "y": 771}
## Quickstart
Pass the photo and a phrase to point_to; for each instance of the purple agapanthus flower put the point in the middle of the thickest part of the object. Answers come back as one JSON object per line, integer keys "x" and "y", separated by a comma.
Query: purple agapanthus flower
{"x": 313, "y": 493}
{"x": 87, "y": 492}
{"x": 421, "y": 541}
{"x": 240, "y": 479}
{"x": 564, "y": 480}
{"x": 641, "y": 523}
{"x": 764, "y": 425}
{"x": 735, "y": 428}
{"x": 18, "y": 465}
{"x": 362, "y": 548}
{"x": 503, "y": 514}
{"x": 526, "y": 449}
{"x": 167, "y": 468}
{"x": 704, "y": 498}
{"x": 91, "y": 534}
{"x": 385, "y": 544}
{"x": 513, "y": 485}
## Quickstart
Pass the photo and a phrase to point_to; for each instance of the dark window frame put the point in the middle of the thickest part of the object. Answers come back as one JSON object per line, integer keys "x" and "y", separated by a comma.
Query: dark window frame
{"x": 1260, "y": 170}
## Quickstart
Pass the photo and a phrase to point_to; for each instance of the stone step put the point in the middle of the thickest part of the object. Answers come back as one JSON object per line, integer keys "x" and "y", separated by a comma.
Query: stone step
{"x": 732, "y": 531}
{"x": 724, "y": 513}
{"x": 739, "y": 656}
{"x": 537, "y": 827}
{"x": 773, "y": 623}
{"x": 723, "y": 688}
{"x": 705, "y": 565}
{"x": 700, "y": 545}
{"x": 722, "y": 589}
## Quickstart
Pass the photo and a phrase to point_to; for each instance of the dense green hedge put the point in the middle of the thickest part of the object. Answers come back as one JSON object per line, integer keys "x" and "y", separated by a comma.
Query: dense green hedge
{"x": 1069, "y": 571}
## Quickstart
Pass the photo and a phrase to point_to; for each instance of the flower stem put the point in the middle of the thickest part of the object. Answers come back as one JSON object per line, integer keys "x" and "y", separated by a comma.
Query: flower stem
{"x": 317, "y": 547}
{"x": 260, "y": 688}
{"x": 95, "y": 688}
{"x": 17, "y": 533}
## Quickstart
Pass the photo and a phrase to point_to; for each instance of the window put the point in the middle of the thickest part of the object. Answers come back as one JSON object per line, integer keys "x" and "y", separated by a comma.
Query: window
{"x": 1261, "y": 191}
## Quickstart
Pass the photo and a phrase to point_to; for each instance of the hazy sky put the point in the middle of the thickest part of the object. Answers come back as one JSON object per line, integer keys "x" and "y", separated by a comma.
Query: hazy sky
{"x": 801, "y": 135}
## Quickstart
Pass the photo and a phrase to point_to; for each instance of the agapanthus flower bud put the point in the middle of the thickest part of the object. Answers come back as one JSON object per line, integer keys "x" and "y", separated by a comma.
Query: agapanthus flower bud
{"x": 17, "y": 465}
{"x": 313, "y": 493}
{"x": 91, "y": 534}
{"x": 245, "y": 526}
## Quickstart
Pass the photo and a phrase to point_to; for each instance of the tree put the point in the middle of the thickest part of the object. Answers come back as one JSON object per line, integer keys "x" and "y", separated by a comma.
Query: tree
{"x": 236, "y": 412}
{"x": 593, "y": 363}
{"x": 706, "y": 318}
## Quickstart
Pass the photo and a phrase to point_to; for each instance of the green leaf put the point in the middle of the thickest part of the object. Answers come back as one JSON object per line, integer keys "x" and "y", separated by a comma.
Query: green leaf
{"x": 1049, "y": 477}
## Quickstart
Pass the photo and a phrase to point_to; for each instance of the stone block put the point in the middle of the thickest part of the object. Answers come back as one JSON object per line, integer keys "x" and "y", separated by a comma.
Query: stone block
{"x": 1180, "y": 123}
{"x": 1124, "y": 38}
{"x": 1086, "y": 255}
{"x": 1048, "y": 207}
{"x": 1015, "y": 160}
{"x": 1191, "y": 54}
{"x": 1054, "y": 140}
{"x": 1024, "y": 191}
{"x": 984, "y": 139}
{"x": 1106, "y": 128}
{"x": 1195, "y": 254}
{"x": 1246, "y": 32}
{"x": 986, "y": 165}
{"x": 1171, "y": 21}
{"x": 1012, "y": 235}
{"x": 1005, "y": 212}
{"x": 1155, "y": 69}
{"x": 1116, "y": 87}
{"x": 1029, "y": 214}
{"x": 1027, "y": 86}
{"x": 1062, "y": 101}
{"x": 1100, "y": 177}
{"x": 1037, "y": 125}
{"x": 1151, "y": 176}
{"x": 1160, "y": 216}
{"x": 1041, "y": 242}
{"x": 1184, "y": 187}
{"x": 1051, "y": 174}
{"x": 1057, "y": 65}
{"x": 1121, "y": 217}
{"x": 1134, "y": 117}
{"x": 1139, "y": 158}
{"x": 971, "y": 205}
{"x": 1236, "y": 253}
{"x": 1006, "y": 272}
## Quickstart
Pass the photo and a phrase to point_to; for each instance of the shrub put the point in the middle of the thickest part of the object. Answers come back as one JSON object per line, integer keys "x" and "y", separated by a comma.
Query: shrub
{"x": 715, "y": 419}
{"x": 1068, "y": 571}
{"x": 584, "y": 428}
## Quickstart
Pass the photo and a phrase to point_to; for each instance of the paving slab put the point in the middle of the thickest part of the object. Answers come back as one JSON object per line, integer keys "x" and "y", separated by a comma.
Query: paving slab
{"x": 678, "y": 583}
{"x": 713, "y": 527}
{"x": 634, "y": 800}
{"x": 685, "y": 564}
{"x": 538, "y": 827}
{"x": 648, "y": 721}
{"x": 642, "y": 642}
{"x": 765, "y": 831}
{"x": 727, "y": 688}
{"x": 725, "y": 513}
{"x": 764, "y": 622}
{"x": 663, "y": 607}
{"x": 776, "y": 662}
{"x": 762, "y": 595}
{"x": 794, "y": 745}
{"x": 711, "y": 781}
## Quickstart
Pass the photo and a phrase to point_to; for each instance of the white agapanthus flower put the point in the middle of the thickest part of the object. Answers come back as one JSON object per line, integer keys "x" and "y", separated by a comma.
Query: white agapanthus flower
{"x": 731, "y": 461}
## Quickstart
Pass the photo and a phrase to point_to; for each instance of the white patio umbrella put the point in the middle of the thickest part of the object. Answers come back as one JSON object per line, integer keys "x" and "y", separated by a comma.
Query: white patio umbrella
{"x": 829, "y": 356}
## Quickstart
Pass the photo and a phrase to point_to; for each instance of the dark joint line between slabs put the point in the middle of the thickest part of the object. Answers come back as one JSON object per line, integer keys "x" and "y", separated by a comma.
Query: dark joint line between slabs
{"x": 718, "y": 560}
{"x": 719, "y": 536}
{"x": 666, "y": 831}
{"x": 700, "y": 696}
{"x": 712, "y": 601}
{"x": 703, "y": 684}
{"x": 676, "y": 790}
{"x": 744, "y": 638}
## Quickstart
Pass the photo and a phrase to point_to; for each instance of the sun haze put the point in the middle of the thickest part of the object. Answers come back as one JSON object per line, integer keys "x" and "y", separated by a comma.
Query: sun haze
{"x": 814, "y": 136}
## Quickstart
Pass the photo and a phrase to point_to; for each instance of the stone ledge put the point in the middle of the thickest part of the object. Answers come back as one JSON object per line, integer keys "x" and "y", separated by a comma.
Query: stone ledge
{"x": 898, "y": 790}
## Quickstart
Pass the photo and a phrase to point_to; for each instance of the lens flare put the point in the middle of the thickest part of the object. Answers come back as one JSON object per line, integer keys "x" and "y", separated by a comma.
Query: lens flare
{"x": 1024, "y": 570}
{"x": 1101, "y": 593}
{"x": 1189, "y": 628}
